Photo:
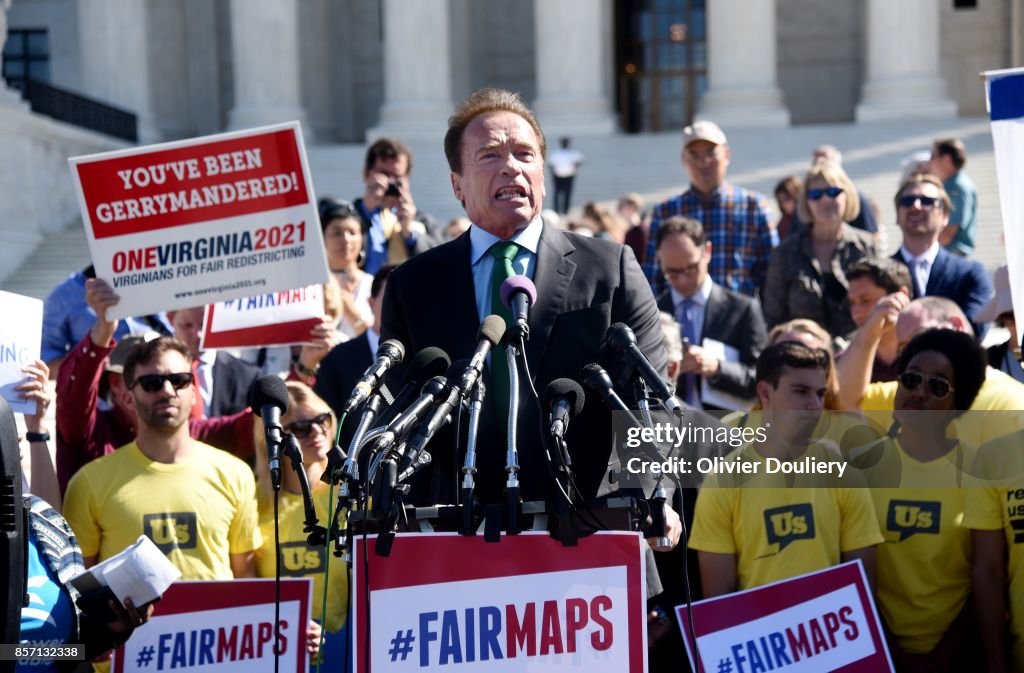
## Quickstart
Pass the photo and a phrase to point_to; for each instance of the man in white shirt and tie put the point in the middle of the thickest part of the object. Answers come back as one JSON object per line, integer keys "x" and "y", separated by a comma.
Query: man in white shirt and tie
{"x": 723, "y": 331}
{"x": 922, "y": 211}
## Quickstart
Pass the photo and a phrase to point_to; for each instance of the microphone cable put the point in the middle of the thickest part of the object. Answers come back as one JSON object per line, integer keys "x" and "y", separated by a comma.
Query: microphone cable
{"x": 327, "y": 554}
{"x": 277, "y": 583}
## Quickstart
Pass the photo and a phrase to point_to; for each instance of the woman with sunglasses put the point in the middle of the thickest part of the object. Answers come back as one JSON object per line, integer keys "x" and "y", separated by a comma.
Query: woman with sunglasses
{"x": 924, "y": 573}
{"x": 310, "y": 420}
{"x": 806, "y": 276}
{"x": 343, "y": 241}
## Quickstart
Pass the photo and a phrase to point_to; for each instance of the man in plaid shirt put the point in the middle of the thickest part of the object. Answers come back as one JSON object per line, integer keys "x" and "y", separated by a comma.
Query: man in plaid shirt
{"x": 735, "y": 219}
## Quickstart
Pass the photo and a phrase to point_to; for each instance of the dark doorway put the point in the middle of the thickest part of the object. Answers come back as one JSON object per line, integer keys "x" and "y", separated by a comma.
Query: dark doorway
{"x": 661, "y": 62}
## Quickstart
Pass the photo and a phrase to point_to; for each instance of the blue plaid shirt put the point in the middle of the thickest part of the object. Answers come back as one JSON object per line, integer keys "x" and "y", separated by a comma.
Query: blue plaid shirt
{"x": 736, "y": 223}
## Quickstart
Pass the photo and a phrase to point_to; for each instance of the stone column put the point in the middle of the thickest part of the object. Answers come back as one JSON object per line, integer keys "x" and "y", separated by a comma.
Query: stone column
{"x": 903, "y": 63}
{"x": 265, "y": 59}
{"x": 417, "y": 71}
{"x": 115, "y": 58}
{"x": 743, "y": 88}
{"x": 573, "y": 43}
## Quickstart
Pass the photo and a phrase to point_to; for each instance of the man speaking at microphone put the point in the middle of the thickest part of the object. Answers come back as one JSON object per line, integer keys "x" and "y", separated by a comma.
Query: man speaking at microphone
{"x": 496, "y": 151}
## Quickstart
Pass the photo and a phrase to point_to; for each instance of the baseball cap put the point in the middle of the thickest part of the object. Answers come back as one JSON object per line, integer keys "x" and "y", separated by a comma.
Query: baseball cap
{"x": 118, "y": 356}
{"x": 704, "y": 130}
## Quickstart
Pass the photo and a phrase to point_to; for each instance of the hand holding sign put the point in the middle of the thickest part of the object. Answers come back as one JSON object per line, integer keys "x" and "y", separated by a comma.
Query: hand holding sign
{"x": 322, "y": 339}
{"x": 100, "y": 296}
{"x": 34, "y": 389}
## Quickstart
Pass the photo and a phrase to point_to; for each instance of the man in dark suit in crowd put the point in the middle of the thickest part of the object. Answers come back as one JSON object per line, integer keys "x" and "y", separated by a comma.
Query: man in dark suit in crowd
{"x": 342, "y": 368}
{"x": 223, "y": 380}
{"x": 724, "y": 331}
{"x": 496, "y": 151}
{"x": 922, "y": 210}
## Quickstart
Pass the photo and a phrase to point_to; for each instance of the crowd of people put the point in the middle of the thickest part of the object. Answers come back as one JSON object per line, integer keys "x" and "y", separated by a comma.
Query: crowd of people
{"x": 801, "y": 323}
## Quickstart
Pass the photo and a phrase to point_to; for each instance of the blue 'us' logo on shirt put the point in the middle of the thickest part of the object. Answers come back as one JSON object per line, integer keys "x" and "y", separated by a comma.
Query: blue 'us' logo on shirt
{"x": 785, "y": 525}
{"x": 909, "y": 517}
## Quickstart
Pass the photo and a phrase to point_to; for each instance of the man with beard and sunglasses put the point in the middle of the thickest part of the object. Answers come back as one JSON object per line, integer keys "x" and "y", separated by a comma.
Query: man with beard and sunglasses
{"x": 92, "y": 374}
{"x": 197, "y": 503}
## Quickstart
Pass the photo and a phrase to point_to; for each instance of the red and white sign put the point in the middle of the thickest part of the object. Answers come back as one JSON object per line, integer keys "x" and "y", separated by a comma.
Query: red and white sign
{"x": 223, "y": 626}
{"x": 271, "y": 319}
{"x": 193, "y": 222}
{"x": 446, "y": 602}
{"x": 822, "y": 621}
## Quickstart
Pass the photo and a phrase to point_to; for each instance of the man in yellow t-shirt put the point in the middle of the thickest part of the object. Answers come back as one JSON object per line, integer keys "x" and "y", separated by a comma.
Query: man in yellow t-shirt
{"x": 994, "y": 512}
{"x": 195, "y": 502}
{"x": 753, "y": 531}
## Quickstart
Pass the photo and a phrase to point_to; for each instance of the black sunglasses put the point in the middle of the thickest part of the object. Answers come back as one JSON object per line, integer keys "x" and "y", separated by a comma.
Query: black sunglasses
{"x": 303, "y": 429}
{"x": 152, "y": 383}
{"x": 910, "y": 200}
{"x": 938, "y": 387}
{"x": 832, "y": 192}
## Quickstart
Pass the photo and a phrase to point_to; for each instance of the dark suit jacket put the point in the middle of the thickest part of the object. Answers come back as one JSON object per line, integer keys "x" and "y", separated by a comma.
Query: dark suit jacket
{"x": 232, "y": 379}
{"x": 583, "y": 286}
{"x": 962, "y": 280}
{"x": 736, "y": 320}
{"x": 339, "y": 371}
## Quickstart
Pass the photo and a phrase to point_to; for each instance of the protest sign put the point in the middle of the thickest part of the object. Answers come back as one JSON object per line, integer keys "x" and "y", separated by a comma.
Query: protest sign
{"x": 223, "y": 626}
{"x": 1004, "y": 91}
{"x": 272, "y": 319}
{"x": 193, "y": 222}
{"x": 20, "y": 341}
{"x": 822, "y": 621}
{"x": 443, "y": 602}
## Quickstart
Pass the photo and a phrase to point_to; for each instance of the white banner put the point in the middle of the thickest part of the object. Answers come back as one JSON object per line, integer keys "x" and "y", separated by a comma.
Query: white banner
{"x": 19, "y": 345}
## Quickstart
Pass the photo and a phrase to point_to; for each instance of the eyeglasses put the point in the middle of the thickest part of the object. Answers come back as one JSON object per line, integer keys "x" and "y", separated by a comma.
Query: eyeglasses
{"x": 152, "y": 383}
{"x": 922, "y": 202}
{"x": 303, "y": 429}
{"x": 831, "y": 192}
{"x": 685, "y": 271}
{"x": 938, "y": 387}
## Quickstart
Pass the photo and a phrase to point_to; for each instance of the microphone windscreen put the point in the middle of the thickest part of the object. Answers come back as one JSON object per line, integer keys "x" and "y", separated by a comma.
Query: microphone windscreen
{"x": 568, "y": 389}
{"x": 515, "y": 284}
{"x": 620, "y": 337}
{"x": 392, "y": 348}
{"x": 268, "y": 390}
{"x": 492, "y": 328}
{"x": 457, "y": 369}
{"x": 429, "y": 362}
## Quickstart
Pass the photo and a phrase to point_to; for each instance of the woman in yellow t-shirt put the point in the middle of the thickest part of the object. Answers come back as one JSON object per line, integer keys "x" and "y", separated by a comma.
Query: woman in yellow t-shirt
{"x": 924, "y": 566}
{"x": 310, "y": 420}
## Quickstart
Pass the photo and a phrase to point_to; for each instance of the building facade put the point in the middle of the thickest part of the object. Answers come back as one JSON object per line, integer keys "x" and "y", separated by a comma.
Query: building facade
{"x": 352, "y": 69}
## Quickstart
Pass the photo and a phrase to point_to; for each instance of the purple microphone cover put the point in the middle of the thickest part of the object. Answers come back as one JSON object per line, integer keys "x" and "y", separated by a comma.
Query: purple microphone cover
{"x": 515, "y": 284}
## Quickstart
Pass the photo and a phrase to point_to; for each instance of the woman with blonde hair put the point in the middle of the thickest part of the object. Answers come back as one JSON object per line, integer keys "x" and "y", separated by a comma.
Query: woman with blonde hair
{"x": 807, "y": 273}
{"x": 311, "y": 421}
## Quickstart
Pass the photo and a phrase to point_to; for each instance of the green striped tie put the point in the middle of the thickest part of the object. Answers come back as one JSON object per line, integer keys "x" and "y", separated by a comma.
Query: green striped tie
{"x": 503, "y": 253}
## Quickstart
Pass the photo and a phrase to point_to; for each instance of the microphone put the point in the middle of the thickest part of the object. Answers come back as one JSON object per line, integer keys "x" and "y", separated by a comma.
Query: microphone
{"x": 564, "y": 399}
{"x": 518, "y": 294}
{"x": 268, "y": 398}
{"x": 596, "y": 378}
{"x": 429, "y": 426}
{"x": 427, "y": 363}
{"x": 489, "y": 334}
{"x": 622, "y": 340}
{"x": 389, "y": 354}
{"x": 404, "y": 423}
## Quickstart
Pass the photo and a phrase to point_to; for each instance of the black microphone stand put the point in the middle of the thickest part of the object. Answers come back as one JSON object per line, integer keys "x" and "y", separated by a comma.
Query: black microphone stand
{"x": 514, "y": 340}
{"x": 656, "y": 502}
{"x": 316, "y": 534}
{"x": 476, "y": 405}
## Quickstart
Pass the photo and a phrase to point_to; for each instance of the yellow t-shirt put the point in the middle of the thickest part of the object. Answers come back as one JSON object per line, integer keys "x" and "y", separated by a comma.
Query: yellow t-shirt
{"x": 924, "y": 566}
{"x": 197, "y": 512}
{"x": 301, "y": 560}
{"x": 777, "y": 532}
{"x": 995, "y": 412}
{"x": 997, "y": 503}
